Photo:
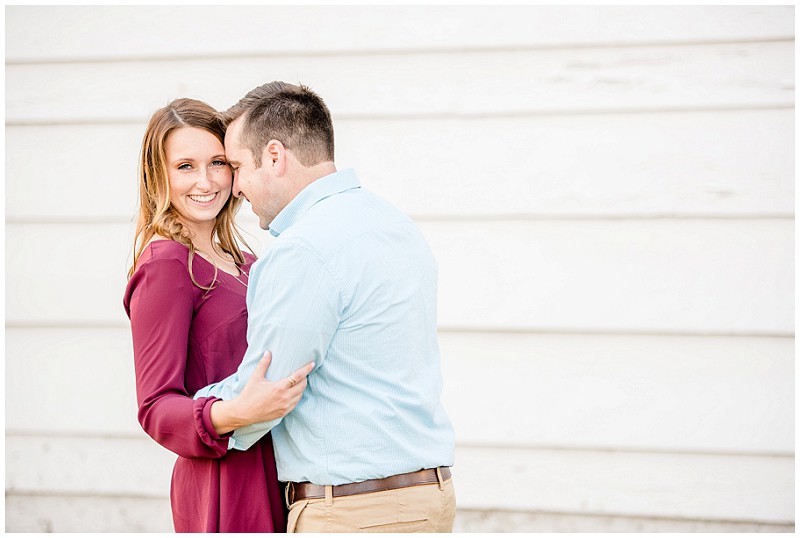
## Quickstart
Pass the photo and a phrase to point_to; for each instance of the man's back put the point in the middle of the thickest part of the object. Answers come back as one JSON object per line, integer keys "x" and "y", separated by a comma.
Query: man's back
{"x": 371, "y": 409}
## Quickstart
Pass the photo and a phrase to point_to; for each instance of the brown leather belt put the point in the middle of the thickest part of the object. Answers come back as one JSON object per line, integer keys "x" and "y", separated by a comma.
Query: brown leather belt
{"x": 298, "y": 491}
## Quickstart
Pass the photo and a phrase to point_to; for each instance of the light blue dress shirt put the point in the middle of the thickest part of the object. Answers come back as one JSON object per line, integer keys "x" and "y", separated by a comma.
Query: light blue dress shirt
{"x": 351, "y": 284}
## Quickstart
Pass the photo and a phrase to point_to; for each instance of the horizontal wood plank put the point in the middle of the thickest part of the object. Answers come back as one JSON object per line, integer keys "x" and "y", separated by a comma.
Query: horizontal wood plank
{"x": 738, "y": 488}
{"x": 88, "y": 465}
{"x": 60, "y": 359}
{"x": 687, "y": 276}
{"x": 59, "y": 513}
{"x": 161, "y": 31}
{"x": 83, "y": 513}
{"x": 82, "y": 281}
{"x": 522, "y": 521}
{"x": 735, "y": 163}
{"x": 685, "y": 394}
{"x": 733, "y": 488}
{"x": 396, "y": 85}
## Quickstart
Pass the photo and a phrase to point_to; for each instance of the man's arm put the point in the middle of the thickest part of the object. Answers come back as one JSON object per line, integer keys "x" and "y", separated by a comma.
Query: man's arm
{"x": 294, "y": 306}
{"x": 260, "y": 400}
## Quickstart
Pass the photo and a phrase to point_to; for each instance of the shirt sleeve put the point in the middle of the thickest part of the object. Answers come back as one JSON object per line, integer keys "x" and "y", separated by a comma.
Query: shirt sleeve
{"x": 160, "y": 305}
{"x": 294, "y": 306}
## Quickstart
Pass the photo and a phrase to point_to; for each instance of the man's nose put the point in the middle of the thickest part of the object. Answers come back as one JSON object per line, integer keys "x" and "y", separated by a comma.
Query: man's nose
{"x": 236, "y": 191}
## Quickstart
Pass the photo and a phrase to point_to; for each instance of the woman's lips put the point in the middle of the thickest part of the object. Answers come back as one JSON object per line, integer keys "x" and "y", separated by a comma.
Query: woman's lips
{"x": 203, "y": 198}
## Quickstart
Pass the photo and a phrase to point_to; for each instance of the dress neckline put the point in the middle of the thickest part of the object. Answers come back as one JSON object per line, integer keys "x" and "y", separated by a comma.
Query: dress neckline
{"x": 239, "y": 267}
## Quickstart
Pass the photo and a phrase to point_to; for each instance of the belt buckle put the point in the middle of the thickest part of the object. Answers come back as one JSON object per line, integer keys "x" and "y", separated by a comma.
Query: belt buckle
{"x": 289, "y": 494}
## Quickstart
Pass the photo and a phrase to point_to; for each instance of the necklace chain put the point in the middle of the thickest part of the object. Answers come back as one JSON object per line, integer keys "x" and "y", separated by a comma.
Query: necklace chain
{"x": 241, "y": 271}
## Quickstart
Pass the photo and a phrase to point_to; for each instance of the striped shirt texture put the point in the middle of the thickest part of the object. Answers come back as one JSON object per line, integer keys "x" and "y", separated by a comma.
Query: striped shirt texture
{"x": 351, "y": 284}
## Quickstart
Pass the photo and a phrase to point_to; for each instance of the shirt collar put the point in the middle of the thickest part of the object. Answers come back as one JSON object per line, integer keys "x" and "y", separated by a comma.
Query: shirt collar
{"x": 319, "y": 189}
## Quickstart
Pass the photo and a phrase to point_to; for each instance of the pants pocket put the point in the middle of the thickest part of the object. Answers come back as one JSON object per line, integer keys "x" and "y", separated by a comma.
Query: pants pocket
{"x": 294, "y": 514}
{"x": 400, "y": 526}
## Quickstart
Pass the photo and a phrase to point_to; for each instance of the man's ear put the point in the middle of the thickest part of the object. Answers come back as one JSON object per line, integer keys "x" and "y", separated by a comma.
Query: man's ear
{"x": 274, "y": 155}
{"x": 272, "y": 152}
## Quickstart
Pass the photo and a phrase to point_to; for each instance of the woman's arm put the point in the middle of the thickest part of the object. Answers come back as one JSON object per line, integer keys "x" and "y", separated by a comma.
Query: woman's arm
{"x": 159, "y": 301}
{"x": 260, "y": 400}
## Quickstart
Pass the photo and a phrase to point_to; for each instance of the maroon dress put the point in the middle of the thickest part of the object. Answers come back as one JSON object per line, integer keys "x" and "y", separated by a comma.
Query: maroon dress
{"x": 185, "y": 338}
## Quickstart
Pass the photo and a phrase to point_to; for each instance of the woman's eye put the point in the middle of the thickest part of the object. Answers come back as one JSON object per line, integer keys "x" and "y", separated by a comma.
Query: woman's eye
{"x": 185, "y": 166}
{"x": 218, "y": 163}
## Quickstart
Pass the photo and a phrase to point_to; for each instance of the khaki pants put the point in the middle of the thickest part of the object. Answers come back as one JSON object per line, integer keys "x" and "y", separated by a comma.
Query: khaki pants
{"x": 428, "y": 508}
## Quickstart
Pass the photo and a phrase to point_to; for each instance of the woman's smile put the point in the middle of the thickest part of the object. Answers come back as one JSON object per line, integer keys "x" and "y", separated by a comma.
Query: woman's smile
{"x": 204, "y": 199}
{"x": 199, "y": 176}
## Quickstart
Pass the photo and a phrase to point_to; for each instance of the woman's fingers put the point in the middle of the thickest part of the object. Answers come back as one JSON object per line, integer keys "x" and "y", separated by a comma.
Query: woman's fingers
{"x": 261, "y": 368}
{"x": 300, "y": 374}
{"x": 297, "y": 380}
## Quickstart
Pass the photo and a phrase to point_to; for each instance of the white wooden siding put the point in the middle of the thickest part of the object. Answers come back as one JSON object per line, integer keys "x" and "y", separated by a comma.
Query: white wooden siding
{"x": 652, "y": 393}
{"x": 745, "y": 168}
{"x": 594, "y": 482}
{"x": 470, "y": 83}
{"x": 156, "y": 32}
{"x": 570, "y": 271}
{"x": 609, "y": 192}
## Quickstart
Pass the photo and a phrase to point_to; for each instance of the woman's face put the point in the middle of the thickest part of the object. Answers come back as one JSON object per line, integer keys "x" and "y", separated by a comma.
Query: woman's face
{"x": 199, "y": 176}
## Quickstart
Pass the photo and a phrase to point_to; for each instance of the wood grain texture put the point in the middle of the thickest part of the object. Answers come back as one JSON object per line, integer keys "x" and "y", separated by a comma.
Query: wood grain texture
{"x": 525, "y": 521}
{"x": 393, "y": 85}
{"x": 609, "y": 192}
{"x": 86, "y": 513}
{"x": 737, "y": 488}
{"x": 725, "y": 164}
{"x": 657, "y": 276}
{"x": 734, "y": 488}
{"x": 684, "y": 394}
{"x": 162, "y": 31}
{"x": 699, "y": 276}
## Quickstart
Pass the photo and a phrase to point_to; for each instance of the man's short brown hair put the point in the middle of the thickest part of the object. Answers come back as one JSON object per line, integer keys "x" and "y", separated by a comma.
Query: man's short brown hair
{"x": 293, "y": 115}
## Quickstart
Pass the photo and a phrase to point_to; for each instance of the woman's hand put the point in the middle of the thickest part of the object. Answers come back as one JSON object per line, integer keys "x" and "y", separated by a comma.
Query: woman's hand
{"x": 263, "y": 400}
{"x": 260, "y": 400}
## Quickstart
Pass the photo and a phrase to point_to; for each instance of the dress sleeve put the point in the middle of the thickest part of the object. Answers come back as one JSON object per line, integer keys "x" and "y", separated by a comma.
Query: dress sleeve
{"x": 160, "y": 303}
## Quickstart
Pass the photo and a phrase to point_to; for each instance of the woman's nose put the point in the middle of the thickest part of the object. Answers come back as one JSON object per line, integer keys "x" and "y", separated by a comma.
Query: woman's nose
{"x": 203, "y": 179}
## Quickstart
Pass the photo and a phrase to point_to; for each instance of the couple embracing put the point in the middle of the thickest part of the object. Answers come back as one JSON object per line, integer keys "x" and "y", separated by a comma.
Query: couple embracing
{"x": 300, "y": 391}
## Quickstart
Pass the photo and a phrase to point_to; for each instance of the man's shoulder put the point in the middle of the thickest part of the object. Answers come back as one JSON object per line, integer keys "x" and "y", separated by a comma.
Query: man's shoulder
{"x": 356, "y": 208}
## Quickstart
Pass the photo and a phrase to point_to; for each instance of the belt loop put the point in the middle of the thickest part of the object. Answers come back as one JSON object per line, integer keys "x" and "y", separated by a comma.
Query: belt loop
{"x": 286, "y": 493}
{"x": 328, "y": 495}
{"x": 439, "y": 477}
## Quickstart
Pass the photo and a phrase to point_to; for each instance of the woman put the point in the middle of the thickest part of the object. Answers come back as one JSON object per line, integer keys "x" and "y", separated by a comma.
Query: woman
{"x": 186, "y": 302}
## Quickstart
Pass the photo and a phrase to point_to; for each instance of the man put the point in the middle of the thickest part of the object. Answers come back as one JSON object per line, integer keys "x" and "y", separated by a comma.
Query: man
{"x": 351, "y": 284}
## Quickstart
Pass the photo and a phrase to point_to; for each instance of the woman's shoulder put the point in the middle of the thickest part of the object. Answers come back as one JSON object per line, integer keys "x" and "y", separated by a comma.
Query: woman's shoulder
{"x": 163, "y": 256}
{"x": 160, "y": 248}
{"x": 161, "y": 272}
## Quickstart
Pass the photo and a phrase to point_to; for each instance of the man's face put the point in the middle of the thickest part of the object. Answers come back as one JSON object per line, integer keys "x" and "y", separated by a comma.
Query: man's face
{"x": 258, "y": 185}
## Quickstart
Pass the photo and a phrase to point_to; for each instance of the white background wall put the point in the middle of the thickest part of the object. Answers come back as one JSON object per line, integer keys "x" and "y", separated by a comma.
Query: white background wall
{"x": 608, "y": 190}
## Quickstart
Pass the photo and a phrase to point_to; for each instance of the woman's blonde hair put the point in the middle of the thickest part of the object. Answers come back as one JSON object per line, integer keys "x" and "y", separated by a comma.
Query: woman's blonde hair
{"x": 156, "y": 215}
